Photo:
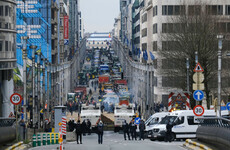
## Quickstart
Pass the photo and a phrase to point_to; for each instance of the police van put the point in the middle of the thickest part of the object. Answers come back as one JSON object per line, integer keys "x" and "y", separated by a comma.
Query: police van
{"x": 185, "y": 124}
{"x": 154, "y": 120}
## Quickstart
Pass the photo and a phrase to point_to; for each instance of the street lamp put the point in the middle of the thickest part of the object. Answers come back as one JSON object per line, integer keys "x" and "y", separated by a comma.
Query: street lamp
{"x": 220, "y": 39}
{"x": 33, "y": 47}
{"x": 187, "y": 66}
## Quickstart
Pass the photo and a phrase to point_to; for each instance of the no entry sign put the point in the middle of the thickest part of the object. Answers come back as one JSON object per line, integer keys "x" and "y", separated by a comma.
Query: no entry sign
{"x": 198, "y": 110}
{"x": 15, "y": 98}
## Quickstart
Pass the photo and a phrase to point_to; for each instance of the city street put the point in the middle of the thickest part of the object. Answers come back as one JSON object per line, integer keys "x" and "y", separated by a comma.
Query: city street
{"x": 115, "y": 141}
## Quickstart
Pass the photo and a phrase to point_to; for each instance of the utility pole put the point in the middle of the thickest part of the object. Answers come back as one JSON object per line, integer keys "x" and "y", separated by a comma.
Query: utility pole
{"x": 196, "y": 61}
{"x": 147, "y": 89}
{"x": 39, "y": 87}
{"x": 48, "y": 90}
{"x": 33, "y": 47}
{"x": 220, "y": 38}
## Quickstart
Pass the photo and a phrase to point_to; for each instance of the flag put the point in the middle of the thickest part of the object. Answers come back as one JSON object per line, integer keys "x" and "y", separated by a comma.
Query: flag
{"x": 152, "y": 56}
{"x": 139, "y": 54}
{"x": 145, "y": 55}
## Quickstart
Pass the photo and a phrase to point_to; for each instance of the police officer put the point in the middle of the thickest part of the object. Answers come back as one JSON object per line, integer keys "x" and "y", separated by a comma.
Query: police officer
{"x": 133, "y": 128}
{"x": 78, "y": 128}
{"x": 169, "y": 127}
{"x": 142, "y": 130}
{"x": 125, "y": 127}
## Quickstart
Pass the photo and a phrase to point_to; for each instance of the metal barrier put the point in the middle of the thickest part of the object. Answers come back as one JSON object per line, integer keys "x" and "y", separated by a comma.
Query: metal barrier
{"x": 7, "y": 129}
{"x": 6, "y": 122}
{"x": 214, "y": 130}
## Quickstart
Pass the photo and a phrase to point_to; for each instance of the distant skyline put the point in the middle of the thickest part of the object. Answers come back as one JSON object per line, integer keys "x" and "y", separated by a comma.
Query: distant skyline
{"x": 98, "y": 15}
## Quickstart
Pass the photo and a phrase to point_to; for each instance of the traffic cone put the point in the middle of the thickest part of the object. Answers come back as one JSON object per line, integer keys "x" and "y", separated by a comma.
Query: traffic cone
{"x": 39, "y": 140}
{"x": 48, "y": 139}
{"x": 44, "y": 139}
{"x": 56, "y": 138}
{"x": 34, "y": 140}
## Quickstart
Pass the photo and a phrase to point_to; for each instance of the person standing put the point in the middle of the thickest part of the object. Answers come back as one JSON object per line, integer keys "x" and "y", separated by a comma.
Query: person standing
{"x": 78, "y": 128}
{"x": 100, "y": 127}
{"x": 142, "y": 129}
{"x": 125, "y": 127}
{"x": 169, "y": 127}
{"x": 89, "y": 126}
{"x": 83, "y": 127}
{"x": 133, "y": 128}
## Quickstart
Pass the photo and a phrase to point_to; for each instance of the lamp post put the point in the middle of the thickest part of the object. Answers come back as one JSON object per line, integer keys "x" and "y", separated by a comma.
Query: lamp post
{"x": 39, "y": 87}
{"x": 24, "y": 50}
{"x": 43, "y": 90}
{"x": 48, "y": 88}
{"x": 33, "y": 47}
{"x": 220, "y": 39}
{"x": 187, "y": 66}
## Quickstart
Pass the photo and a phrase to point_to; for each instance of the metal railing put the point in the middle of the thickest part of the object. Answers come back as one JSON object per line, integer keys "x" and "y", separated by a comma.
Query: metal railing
{"x": 6, "y": 122}
{"x": 215, "y": 122}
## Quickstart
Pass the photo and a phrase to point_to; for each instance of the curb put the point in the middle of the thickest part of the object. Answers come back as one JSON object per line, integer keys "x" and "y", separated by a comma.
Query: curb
{"x": 194, "y": 145}
{"x": 14, "y": 146}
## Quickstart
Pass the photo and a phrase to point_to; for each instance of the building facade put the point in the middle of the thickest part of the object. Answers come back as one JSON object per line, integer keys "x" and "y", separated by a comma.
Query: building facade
{"x": 7, "y": 54}
{"x": 151, "y": 20}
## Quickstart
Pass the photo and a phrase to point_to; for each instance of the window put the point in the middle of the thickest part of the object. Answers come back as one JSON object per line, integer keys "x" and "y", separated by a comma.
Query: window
{"x": 144, "y": 46}
{"x": 191, "y": 120}
{"x": 1, "y": 45}
{"x": 214, "y": 9}
{"x": 144, "y": 32}
{"x": 180, "y": 120}
{"x": 6, "y": 46}
{"x": 194, "y": 10}
{"x": 227, "y": 10}
{"x": 155, "y": 28}
{"x": 144, "y": 18}
{"x": 6, "y": 10}
{"x": 155, "y": 11}
{"x": 1, "y": 10}
{"x": 154, "y": 45}
{"x": 173, "y": 9}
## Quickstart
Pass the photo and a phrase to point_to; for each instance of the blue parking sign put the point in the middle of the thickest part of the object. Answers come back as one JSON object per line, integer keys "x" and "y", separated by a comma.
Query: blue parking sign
{"x": 228, "y": 106}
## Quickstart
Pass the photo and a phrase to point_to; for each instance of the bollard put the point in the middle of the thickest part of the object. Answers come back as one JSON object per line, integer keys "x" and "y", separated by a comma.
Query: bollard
{"x": 39, "y": 140}
{"x": 56, "y": 138}
{"x": 44, "y": 139}
{"x": 52, "y": 138}
{"x": 48, "y": 139}
{"x": 34, "y": 140}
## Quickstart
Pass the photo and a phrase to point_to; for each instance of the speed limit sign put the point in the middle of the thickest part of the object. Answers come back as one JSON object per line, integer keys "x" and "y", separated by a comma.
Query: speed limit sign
{"x": 16, "y": 98}
{"x": 198, "y": 110}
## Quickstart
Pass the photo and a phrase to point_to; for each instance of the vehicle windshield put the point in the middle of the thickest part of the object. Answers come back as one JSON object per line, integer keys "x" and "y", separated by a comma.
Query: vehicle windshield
{"x": 168, "y": 118}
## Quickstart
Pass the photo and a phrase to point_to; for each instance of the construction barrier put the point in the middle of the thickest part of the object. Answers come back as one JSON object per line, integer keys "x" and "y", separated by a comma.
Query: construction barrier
{"x": 34, "y": 140}
{"x": 45, "y": 139}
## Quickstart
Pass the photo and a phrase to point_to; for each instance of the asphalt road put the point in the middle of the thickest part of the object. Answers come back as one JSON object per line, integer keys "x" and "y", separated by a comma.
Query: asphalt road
{"x": 115, "y": 141}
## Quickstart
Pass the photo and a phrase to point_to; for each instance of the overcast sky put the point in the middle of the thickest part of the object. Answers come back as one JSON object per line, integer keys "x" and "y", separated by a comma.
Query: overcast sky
{"x": 98, "y": 15}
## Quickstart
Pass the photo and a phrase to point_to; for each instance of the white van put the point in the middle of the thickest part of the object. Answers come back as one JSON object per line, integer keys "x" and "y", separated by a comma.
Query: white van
{"x": 185, "y": 124}
{"x": 153, "y": 120}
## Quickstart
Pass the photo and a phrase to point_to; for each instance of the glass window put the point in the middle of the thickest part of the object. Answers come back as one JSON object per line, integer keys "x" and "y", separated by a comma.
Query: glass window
{"x": 154, "y": 45}
{"x": 1, "y": 45}
{"x": 191, "y": 120}
{"x": 177, "y": 10}
{"x": 164, "y": 10}
{"x": 155, "y": 28}
{"x": 227, "y": 10}
{"x": 170, "y": 10}
{"x": 1, "y": 10}
{"x": 6, "y": 10}
{"x": 6, "y": 46}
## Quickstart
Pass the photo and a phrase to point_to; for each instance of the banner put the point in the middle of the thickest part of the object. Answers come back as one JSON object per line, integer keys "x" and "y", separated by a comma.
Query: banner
{"x": 66, "y": 30}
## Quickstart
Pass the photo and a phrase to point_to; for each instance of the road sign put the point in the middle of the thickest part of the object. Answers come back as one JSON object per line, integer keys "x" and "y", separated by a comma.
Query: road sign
{"x": 137, "y": 120}
{"x": 66, "y": 41}
{"x": 228, "y": 106}
{"x": 16, "y": 98}
{"x": 198, "y": 110}
{"x": 198, "y": 77}
{"x": 198, "y": 95}
{"x": 197, "y": 86}
{"x": 198, "y": 68}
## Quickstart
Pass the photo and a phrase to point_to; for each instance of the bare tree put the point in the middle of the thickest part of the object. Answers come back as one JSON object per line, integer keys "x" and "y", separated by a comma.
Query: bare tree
{"x": 195, "y": 30}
